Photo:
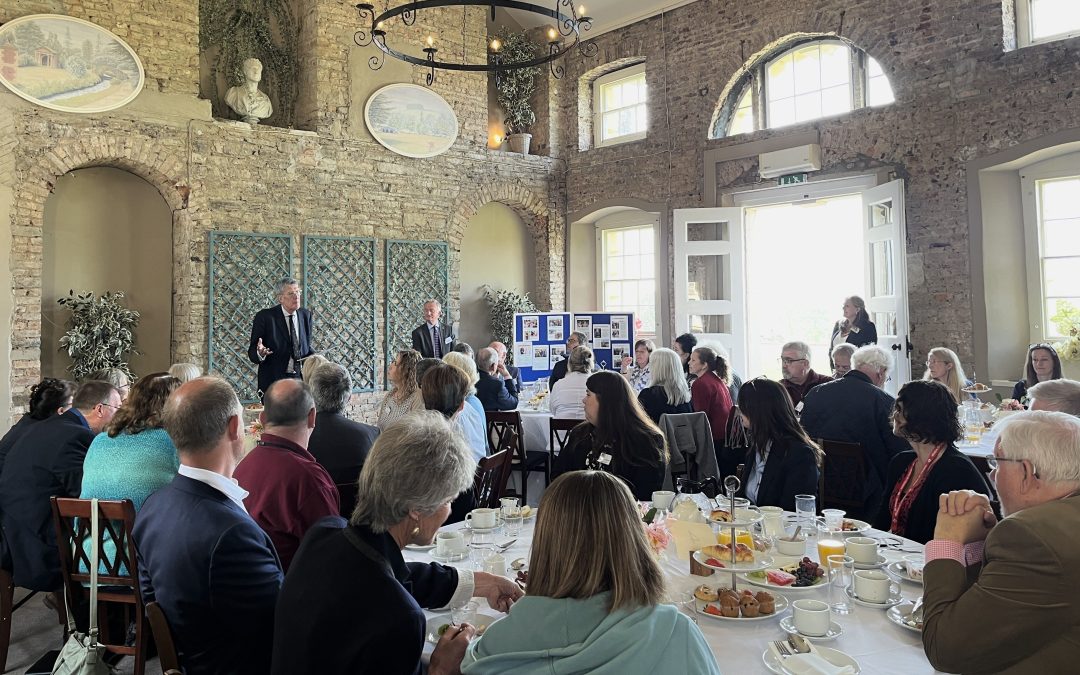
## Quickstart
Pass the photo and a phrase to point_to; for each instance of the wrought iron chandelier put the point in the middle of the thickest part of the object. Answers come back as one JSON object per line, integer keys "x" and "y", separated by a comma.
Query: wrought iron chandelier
{"x": 565, "y": 35}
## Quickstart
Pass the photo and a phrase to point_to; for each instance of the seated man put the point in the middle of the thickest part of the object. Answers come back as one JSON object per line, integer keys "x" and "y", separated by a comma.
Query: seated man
{"x": 799, "y": 377}
{"x": 1000, "y": 597}
{"x": 48, "y": 462}
{"x": 201, "y": 556}
{"x": 287, "y": 489}
{"x": 841, "y": 359}
{"x": 338, "y": 443}
{"x": 855, "y": 409}
{"x": 505, "y": 371}
{"x": 494, "y": 392}
{"x": 1056, "y": 396}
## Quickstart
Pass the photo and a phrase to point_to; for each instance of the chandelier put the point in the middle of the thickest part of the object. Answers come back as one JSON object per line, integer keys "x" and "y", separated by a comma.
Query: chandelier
{"x": 565, "y": 35}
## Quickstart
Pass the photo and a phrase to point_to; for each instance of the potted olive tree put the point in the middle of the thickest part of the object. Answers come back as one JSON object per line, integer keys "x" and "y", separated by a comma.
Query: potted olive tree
{"x": 515, "y": 88}
{"x": 504, "y": 304}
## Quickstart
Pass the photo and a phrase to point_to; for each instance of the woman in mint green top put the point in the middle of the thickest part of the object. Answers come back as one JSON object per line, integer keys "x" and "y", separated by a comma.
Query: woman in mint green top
{"x": 594, "y": 593}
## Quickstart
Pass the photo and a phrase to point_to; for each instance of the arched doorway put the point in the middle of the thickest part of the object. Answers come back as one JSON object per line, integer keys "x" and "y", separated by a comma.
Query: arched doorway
{"x": 106, "y": 229}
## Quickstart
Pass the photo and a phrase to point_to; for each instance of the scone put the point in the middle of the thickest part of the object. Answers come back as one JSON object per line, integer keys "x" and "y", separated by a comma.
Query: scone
{"x": 706, "y": 593}
{"x": 766, "y": 602}
{"x": 749, "y": 605}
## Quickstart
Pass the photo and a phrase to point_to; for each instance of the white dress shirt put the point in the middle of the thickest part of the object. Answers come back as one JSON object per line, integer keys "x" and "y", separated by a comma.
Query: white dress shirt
{"x": 227, "y": 486}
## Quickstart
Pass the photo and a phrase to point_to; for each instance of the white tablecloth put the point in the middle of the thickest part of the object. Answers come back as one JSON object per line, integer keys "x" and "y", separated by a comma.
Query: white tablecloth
{"x": 535, "y": 424}
{"x": 881, "y": 647}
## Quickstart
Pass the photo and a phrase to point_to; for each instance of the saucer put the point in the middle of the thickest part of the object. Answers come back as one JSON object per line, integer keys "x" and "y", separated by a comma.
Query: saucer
{"x": 480, "y": 530}
{"x": 899, "y": 570}
{"x": 835, "y": 657}
{"x": 894, "y": 600}
{"x": 881, "y": 561}
{"x": 835, "y": 630}
{"x": 420, "y": 547}
{"x": 898, "y": 613}
{"x": 449, "y": 557}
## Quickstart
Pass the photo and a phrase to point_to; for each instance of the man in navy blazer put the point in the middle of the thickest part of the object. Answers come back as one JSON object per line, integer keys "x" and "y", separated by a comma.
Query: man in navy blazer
{"x": 494, "y": 392}
{"x": 201, "y": 556}
{"x": 431, "y": 334}
{"x": 273, "y": 346}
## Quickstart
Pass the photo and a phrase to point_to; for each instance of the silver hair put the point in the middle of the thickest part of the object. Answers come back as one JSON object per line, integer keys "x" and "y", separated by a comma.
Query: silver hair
{"x": 486, "y": 358}
{"x": 287, "y": 403}
{"x": 1049, "y": 440}
{"x": 311, "y": 364}
{"x": 430, "y": 301}
{"x": 282, "y": 284}
{"x": 582, "y": 339}
{"x": 797, "y": 345}
{"x": 665, "y": 370}
{"x": 844, "y": 348}
{"x": 418, "y": 463}
{"x": 1060, "y": 395}
{"x": 581, "y": 360}
{"x": 463, "y": 362}
{"x": 185, "y": 371}
{"x": 871, "y": 356}
{"x": 331, "y": 387}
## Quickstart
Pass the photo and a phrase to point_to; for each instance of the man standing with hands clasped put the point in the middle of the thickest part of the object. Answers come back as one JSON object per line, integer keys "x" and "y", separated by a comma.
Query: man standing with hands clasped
{"x": 281, "y": 336}
{"x": 433, "y": 339}
{"x": 1000, "y": 596}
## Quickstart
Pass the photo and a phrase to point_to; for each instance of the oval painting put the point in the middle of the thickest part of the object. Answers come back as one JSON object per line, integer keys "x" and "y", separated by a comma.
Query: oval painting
{"x": 411, "y": 120}
{"x": 68, "y": 64}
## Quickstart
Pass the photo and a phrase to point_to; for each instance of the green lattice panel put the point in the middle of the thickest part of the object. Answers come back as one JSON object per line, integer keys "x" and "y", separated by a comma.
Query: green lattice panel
{"x": 339, "y": 289}
{"x": 243, "y": 270}
{"x": 415, "y": 272}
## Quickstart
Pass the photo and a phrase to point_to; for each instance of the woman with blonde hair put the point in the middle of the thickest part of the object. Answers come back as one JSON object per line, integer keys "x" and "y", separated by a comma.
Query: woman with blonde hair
{"x": 595, "y": 594}
{"x": 404, "y": 397}
{"x": 185, "y": 372}
{"x": 311, "y": 364}
{"x": 667, "y": 393}
{"x": 567, "y": 394}
{"x": 943, "y": 365}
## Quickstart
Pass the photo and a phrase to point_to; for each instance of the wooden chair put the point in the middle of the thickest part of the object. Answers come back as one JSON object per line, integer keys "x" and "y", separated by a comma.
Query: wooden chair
{"x": 492, "y": 474}
{"x": 7, "y": 599}
{"x": 499, "y": 426}
{"x": 163, "y": 639}
{"x": 843, "y": 476}
{"x": 118, "y": 585}
{"x": 559, "y": 428}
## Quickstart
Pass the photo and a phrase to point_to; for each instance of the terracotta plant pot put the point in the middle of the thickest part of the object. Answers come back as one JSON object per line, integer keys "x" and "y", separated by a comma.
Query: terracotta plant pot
{"x": 519, "y": 143}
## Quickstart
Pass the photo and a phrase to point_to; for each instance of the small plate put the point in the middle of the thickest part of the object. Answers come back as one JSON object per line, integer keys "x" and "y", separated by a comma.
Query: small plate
{"x": 833, "y": 656}
{"x": 760, "y": 562}
{"x": 764, "y": 583}
{"x": 781, "y": 606}
{"x": 420, "y": 547}
{"x": 531, "y": 513}
{"x": 481, "y": 530}
{"x": 787, "y": 624}
{"x": 894, "y": 600}
{"x": 861, "y": 528}
{"x": 450, "y": 557}
{"x": 431, "y": 634}
{"x": 881, "y": 561}
{"x": 899, "y": 570}
{"x": 897, "y": 614}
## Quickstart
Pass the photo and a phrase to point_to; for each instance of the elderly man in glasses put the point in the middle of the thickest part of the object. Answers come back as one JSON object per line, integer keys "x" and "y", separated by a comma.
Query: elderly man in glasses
{"x": 1000, "y": 597}
{"x": 799, "y": 377}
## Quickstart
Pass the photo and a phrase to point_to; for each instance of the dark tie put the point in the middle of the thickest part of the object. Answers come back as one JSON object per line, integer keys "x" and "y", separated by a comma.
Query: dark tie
{"x": 295, "y": 341}
{"x": 437, "y": 340}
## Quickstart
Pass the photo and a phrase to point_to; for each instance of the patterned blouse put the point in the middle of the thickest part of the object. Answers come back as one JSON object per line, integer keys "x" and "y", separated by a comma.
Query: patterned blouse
{"x": 639, "y": 378}
{"x": 391, "y": 409}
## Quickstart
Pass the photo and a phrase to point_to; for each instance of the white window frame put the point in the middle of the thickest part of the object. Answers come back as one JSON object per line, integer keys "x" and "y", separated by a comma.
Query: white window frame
{"x": 598, "y": 110}
{"x": 855, "y": 72}
{"x": 1033, "y": 254}
{"x": 624, "y": 221}
{"x": 1024, "y": 27}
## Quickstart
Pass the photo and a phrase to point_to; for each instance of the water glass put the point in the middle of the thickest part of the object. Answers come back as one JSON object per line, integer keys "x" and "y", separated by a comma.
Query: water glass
{"x": 806, "y": 510}
{"x": 512, "y": 518}
{"x": 464, "y": 613}
{"x": 841, "y": 571}
{"x": 834, "y": 519}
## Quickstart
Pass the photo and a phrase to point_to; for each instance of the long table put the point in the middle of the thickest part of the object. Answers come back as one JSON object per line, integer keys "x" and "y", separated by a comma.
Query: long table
{"x": 881, "y": 647}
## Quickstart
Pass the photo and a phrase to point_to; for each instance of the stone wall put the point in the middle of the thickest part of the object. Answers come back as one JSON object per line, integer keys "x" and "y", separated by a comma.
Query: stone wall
{"x": 960, "y": 95}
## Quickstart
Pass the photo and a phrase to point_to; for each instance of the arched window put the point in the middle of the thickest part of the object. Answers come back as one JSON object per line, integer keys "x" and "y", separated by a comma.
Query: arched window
{"x": 810, "y": 80}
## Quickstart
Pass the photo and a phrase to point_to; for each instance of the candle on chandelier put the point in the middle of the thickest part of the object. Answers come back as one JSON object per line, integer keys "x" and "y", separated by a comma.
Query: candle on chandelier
{"x": 581, "y": 10}
{"x": 552, "y": 35}
{"x": 430, "y": 41}
{"x": 496, "y": 45}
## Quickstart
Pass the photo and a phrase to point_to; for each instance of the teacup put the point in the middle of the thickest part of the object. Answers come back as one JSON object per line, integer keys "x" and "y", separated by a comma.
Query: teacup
{"x": 914, "y": 565}
{"x": 863, "y": 549}
{"x": 661, "y": 499}
{"x": 772, "y": 520}
{"x": 812, "y": 617}
{"x": 449, "y": 543}
{"x": 873, "y": 586}
{"x": 494, "y": 564}
{"x": 482, "y": 519}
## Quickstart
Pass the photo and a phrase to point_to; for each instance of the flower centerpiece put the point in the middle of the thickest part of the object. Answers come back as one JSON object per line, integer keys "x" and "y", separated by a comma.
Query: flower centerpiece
{"x": 655, "y": 530}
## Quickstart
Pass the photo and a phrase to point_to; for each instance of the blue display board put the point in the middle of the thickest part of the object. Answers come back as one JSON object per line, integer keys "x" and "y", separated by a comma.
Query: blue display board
{"x": 540, "y": 339}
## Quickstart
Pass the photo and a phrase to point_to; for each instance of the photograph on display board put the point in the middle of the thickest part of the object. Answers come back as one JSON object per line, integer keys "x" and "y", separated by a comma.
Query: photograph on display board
{"x": 540, "y": 356}
{"x": 557, "y": 352}
{"x": 601, "y": 331}
{"x": 620, "y": 327}
{"x": 530, "y": 328}
{"x": 555, "y": 329}
{"x": 619, "y": 350}
{"x": 523, "y": 355}
{"x": 602, "y": 344}
{"x": 583, "y": 324}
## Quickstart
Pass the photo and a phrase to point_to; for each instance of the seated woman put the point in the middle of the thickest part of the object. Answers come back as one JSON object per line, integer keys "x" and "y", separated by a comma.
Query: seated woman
{"x": 185, "y": 372}
{"x": 350, "y": 603}
{"x": 311, "y": 364}
{"x": 943, "y": 365}
{"x": 667, "y": 393}
{"x": 472, "y": 420}
{"x": 617, "y": 437}
{"x": 595, "y": 593}
{"x": 1041, "y": 364}
{"x": 565, "y": 400}
{"x": 925, "y": 416}
{"x": 114, "y": 376}
{"x": 709, "y": 393}
{"x": 782, "y": 461}
{"x": 404, "y": 397}
{"x": 636, "y": 369}
{"x": 47, "y": 398}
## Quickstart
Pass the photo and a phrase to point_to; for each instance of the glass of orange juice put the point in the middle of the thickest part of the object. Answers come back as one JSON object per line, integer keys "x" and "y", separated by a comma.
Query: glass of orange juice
{"x": 741, "y": 537}
{"x": 829, "y": 546}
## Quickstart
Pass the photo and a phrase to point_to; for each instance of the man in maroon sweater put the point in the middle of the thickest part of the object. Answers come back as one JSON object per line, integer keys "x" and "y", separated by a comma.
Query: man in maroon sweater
{"x": 288, "y": 490}
{"x": 799, "y": 377}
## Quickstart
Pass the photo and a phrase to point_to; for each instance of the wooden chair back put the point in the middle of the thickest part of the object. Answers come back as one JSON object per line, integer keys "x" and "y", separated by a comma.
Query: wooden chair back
{"x": 7, "y": 600}
{"x": 163, "y": 639}
{"x": 500, "y": 424}
{"x": 843, "y": 475}
{"x": 492, "y": 474}
{"x": 560, "y": 428}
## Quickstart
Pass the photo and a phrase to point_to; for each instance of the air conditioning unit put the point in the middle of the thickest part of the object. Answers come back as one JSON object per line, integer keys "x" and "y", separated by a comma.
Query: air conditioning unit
{"x": 790, "y": 160}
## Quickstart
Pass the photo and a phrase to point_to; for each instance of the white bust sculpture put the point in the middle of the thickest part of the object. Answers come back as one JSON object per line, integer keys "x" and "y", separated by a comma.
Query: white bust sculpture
{"x": 246, "y": 100}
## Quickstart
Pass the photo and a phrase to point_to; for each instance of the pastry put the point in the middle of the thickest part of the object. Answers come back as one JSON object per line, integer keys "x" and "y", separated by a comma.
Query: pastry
{"x": 749, "y": 606}
{"x": 706, "y": 593}
{"x": 722, "y": 552}
{"x": 720, "y": 516}
{"x": 766, "y": 602}
{"x": 729, "y": 606}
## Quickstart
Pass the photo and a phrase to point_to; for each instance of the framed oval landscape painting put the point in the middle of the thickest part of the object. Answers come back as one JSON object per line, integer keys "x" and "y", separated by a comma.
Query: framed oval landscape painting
{"x": 411, "y": 120}
{"x": 68, "y": 64}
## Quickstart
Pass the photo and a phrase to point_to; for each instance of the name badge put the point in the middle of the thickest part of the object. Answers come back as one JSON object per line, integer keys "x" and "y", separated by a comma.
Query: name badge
{"x": 448, "y": 340}
{"x": 604, "y": 459}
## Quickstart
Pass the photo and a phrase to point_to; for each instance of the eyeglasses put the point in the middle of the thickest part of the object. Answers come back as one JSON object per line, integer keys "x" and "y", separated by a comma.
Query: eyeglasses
{"x": 787, "y": 362}
{"x": 992, "y": 462}
{"x": 114, "y": 407}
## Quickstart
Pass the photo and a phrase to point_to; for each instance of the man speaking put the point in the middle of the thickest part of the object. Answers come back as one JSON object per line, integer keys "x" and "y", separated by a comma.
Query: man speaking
{"x": 281, "y": 336}
{"x": 432, "y": 339}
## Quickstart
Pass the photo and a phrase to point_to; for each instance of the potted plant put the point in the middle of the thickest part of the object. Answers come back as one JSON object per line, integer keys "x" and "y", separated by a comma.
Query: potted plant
{"x": 101, "y": 333}
{"x": 503, "y": 305}
{"x": 515, "y": 88}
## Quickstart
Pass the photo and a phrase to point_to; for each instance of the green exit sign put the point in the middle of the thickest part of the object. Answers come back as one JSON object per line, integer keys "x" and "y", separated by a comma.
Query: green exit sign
{"x": 792, "y": 179}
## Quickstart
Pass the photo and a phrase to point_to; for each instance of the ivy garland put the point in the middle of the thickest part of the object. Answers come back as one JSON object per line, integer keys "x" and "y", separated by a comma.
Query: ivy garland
{"x": 242, "y": 29}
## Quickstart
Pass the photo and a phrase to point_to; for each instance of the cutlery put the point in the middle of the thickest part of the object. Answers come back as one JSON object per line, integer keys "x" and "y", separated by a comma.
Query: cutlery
{"x": 916, "y": 615}
{"x": 799, "y": 644}
{"x": 782, "y": 648}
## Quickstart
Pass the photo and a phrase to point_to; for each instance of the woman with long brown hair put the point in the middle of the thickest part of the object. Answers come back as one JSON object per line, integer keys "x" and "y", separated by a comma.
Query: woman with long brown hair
{"x": 617, "y": 437}
{"x": 405, "y": 396}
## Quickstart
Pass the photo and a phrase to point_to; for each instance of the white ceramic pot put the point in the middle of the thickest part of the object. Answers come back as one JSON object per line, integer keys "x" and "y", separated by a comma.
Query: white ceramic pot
{"x": 519, "y": 143}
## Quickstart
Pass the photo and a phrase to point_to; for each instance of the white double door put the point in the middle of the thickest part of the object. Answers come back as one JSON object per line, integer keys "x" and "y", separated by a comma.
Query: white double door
{"x": 710, "y": 279}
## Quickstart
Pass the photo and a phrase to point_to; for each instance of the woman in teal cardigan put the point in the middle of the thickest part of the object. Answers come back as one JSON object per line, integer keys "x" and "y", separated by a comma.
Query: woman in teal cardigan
{"x": 594, "y": 593}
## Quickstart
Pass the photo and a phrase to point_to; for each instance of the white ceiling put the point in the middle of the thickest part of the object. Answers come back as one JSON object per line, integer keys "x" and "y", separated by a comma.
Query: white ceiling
{"x": 607, "y": 14}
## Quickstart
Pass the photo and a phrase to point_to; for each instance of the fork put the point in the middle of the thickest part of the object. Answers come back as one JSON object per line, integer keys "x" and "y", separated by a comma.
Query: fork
{"x": 782, "y": 647}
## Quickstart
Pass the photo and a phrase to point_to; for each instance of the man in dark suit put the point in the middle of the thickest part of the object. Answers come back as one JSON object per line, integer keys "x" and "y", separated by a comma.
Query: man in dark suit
{"x": 338, "y": 443}
{"x": 1019, "y": 569}
{"x": 505, "y": 371}
{"x": 558, "y": 371}
{"x": 431, "y": 338}
{"x": 201, "y": 556}
{"x": 281, "y": 336}
{"x": 494, "y": 392}
{"x": 855, "y": 409}
{"x": 48, "y": 462}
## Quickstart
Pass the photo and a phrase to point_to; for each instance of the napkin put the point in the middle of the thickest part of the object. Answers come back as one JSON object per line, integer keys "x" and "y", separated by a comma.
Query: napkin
{"x": 690, "y": 537}
{"x": 812, "y": 664}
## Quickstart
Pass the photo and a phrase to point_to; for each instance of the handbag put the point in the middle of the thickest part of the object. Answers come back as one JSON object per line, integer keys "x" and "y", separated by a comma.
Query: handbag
{"x": 82, "y": 654}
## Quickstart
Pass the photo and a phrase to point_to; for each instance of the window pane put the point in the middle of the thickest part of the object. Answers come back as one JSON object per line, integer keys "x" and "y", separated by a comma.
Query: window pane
{"x": 613, "y": 242}
{"x": 782, "y": 113}
{"x": 780, "y": 78}
{"x": 615, "y": 268}
{"x": 708, "y": 231}
{"x": 817, "y": 76}
{"x": 647, "y": 243}
{"x": 708, "y": 277}
{"x": 612, "y": 95}
{"x": 1054, "y": 17}
{"x": 1061, "y": 277}
{"x": 742, "y": 122}
{"x": 1059, "y": 198}
{"x": 885, "y": 322}
{"x": 881, "y": 214}
{"x": 630, "y": 240}
{"x": 626, "y": 121}
{"x": 807, "y": 70}
{"x": 808, "y": 106}
{"x": 611, "y": 125}
{"x": 1053, "y": 306}
{"x": 881, "y": 269}
{"x": 1061, "y": 237}
{"x": 835, "y": 65}
{"x": 835, "y": 100}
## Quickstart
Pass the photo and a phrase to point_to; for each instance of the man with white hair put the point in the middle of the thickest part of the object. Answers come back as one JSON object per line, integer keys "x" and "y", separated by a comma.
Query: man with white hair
{"x": 1056, "y": 396}
{"x": 506, "y": 371}
{"x": 494, "y": 393}
{"x": 1018, "y": 572}
{"x": 432, "y": 338}
{"x": 799, "y": 377}
{"x": 855, "y": 409}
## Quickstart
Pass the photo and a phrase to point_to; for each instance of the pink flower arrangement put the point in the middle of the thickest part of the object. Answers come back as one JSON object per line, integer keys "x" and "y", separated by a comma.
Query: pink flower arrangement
{"x": 659, "y": 536}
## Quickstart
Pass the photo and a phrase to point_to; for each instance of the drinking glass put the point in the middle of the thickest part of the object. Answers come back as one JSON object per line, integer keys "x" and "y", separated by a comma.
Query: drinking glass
{"x": 834, "y": 519}
{"x": 841, "y": 571}
{"x": 464, "y": 613}
{"x": 806, "y": 509}
{"x": 512, "y": 518}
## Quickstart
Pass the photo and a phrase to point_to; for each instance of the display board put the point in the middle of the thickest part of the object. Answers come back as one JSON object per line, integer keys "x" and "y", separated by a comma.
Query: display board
{"x": 540, "y": 339}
